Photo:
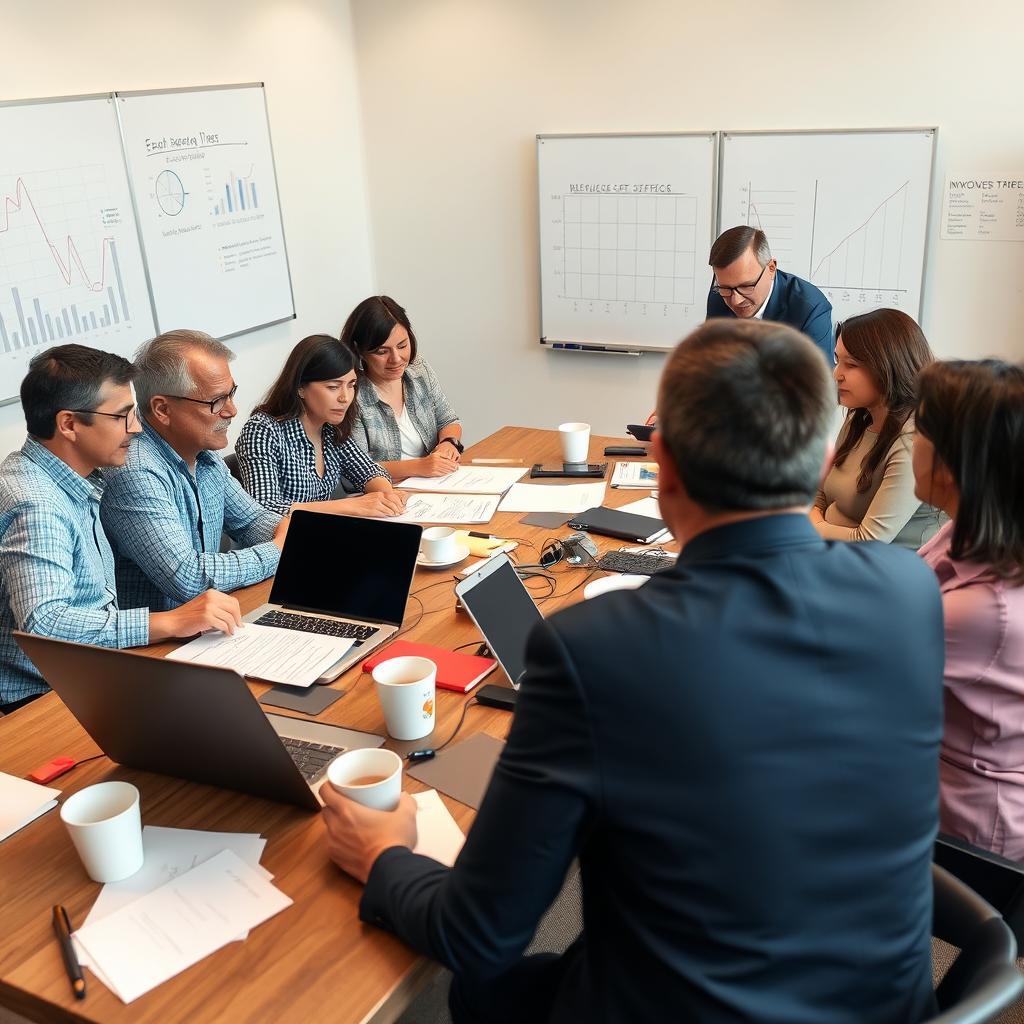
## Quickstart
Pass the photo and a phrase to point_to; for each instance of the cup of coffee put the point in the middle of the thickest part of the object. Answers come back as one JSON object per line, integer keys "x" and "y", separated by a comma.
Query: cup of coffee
{"x": 406, "y": 690}
{"x": 371, "y": 777}
{"x": 106, "y": 827}
{"x": 438, "y": 544}
{"x": 575, "y": 438}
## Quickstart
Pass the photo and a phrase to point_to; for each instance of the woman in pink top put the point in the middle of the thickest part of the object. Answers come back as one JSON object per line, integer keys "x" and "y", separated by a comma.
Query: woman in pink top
{"x": 969, "y": 461}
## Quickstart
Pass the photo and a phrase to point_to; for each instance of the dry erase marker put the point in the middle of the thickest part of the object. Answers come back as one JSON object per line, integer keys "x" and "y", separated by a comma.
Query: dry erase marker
{"x": 62, "y": 928}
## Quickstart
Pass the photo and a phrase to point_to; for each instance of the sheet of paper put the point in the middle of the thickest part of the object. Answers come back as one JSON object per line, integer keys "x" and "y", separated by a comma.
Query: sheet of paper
{"x": 22, "y": 801}
{"x": 639, "y": 475}
{"x": 158, "y": 936}
{"x": 552, "y": 497}
{"x": 266, "y": 652}
{"x": 170, "y": 852}
{"x": 467, "y": 480}
{"x": 438, "y": 835}
{"x": 449, "y": 508}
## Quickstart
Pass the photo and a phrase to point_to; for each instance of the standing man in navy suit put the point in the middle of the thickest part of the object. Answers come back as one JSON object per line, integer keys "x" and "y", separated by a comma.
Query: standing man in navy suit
{"x": 749, "y": 285}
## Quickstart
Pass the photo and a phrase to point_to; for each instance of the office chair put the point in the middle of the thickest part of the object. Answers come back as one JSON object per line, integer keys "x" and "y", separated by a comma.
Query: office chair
{"x": 983, "y": 979}
{"x": 231, "y": 461}
{"x": 993, "y": 878}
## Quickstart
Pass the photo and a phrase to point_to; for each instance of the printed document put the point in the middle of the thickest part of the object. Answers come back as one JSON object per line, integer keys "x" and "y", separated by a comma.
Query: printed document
{"x": 449, "y": 508}
{"x": 158, "y": 936}
{"x": 467, "y": 480}
{"x": 286, "y": 656}
{"x": 640, "y": 475}
{"x": 438, "y": 835}
{"x": 22, "y": 801}
{"x": 553, "y": 497}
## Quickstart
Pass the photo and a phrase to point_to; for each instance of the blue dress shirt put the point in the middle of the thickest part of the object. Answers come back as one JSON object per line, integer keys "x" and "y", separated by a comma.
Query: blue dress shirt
{"x": 56, "y": 566}
{"x": 165, "y": 525}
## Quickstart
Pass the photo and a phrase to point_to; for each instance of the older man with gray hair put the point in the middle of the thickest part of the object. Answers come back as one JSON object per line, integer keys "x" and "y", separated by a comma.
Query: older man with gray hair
{"x": 164, "y": 512}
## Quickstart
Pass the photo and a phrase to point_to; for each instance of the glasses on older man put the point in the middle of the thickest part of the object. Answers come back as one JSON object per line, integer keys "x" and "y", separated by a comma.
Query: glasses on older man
{"x": 215, "y": 405}
{"x": 131, "y": 417}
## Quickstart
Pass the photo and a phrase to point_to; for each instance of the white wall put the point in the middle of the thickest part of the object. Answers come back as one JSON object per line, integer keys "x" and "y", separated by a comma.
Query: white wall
{"x": 303, "y": 51}
{"x": 454, "y": 92}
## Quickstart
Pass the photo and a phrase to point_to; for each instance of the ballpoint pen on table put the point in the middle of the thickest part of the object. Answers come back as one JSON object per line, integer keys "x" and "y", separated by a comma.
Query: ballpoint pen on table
{"x": 62, "y": 929}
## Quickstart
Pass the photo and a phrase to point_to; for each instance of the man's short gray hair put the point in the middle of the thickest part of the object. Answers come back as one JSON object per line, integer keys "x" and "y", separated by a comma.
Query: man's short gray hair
{"x": 733, "y": 243}
{"x": 161, "y": 365}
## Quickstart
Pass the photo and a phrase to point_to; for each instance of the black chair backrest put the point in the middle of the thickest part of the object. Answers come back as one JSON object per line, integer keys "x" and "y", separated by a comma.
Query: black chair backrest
{"x": 983, "y": 979}
{"x": 231, "y": 461}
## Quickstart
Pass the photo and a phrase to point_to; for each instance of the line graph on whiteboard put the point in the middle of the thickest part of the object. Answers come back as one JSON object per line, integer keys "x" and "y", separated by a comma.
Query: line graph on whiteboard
{"x": 854, "y": 244}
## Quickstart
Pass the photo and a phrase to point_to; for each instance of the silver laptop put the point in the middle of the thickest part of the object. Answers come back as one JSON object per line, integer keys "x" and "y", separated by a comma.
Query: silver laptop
{"x": 343, "y": 576}
{"x": 504, "y": 612}
{"x": 191, "y": 721}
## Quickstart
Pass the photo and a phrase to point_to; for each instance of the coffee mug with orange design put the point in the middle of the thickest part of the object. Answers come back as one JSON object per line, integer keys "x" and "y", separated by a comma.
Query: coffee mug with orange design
{"x": 406, "y": 690}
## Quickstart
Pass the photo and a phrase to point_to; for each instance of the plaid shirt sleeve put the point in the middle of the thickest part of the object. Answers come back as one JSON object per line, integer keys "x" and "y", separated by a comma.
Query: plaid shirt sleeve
{"x": 37, "y": 562}
{"x": 443, "y": 411}
{"x": 247, "y": 522}
{"x": 357, "y": 466}
{"x": 259, "y": 461}
{"x": 141, "y": 512}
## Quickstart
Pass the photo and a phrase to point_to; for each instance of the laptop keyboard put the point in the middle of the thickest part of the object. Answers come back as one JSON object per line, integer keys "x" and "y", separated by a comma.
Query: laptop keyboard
{"x": 311, "y": 759}
{"x": 313, "y": 624}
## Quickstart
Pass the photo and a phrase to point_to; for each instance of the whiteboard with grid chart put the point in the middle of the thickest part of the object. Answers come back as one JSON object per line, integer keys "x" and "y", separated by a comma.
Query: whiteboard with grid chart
{"x": 625, "y": 227}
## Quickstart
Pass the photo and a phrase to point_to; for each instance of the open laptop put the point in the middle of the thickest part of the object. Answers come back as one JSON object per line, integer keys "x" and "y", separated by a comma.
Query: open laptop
{"x": 504, "y": 612}
{"x": 191, "y": 721}
{"x": 343, "y": 576}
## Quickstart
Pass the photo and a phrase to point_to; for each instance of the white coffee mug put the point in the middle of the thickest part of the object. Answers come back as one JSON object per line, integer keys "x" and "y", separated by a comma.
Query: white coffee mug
{"x": 438, "y": 544}
{"x": 371, "y": 777}
{"x": 106, "y": 827}
{"x": 575, "y": 439}
{"x": 406, "y": 690}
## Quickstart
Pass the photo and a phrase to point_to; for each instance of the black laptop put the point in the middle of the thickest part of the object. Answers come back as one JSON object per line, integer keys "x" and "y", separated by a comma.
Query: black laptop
{"x": 191, "y": 721}
{"x": 343, "y": 576}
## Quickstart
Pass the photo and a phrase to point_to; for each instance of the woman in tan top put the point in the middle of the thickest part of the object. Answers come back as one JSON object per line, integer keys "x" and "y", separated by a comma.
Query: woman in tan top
{"x": 868, "y": 493}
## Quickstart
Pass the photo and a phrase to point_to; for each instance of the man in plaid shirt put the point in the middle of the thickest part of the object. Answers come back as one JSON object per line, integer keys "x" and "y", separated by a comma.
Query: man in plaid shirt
{"x": 56, "y": 566}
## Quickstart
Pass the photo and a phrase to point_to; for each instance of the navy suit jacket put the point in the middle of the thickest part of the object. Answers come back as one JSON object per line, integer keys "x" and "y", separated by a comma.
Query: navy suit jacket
{"x": 743, "y": 754}
{"x": 796, "y": 302}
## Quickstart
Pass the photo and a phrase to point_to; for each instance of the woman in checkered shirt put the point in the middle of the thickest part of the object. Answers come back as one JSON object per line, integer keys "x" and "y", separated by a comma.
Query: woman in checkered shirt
{"x": 404, "y": 420}
{"x": 297, "y": 445}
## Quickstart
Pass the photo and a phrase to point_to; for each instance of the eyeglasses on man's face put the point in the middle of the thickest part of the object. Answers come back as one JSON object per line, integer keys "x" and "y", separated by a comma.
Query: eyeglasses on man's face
{"x": 131, "y": 417}
{"x": 215, "y": 405}
{"x": 744, "y": 291}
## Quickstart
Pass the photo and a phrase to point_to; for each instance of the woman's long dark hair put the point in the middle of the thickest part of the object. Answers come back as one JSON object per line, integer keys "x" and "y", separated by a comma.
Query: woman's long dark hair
{"x": 370, "y": 323}
{"x": 893, "y": 350}
{"x": 318, "y": 357}
{"x": 973, "y": 414}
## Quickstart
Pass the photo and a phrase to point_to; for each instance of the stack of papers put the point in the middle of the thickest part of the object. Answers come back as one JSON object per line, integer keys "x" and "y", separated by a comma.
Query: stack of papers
{"x": 266, "y": 652}
{"x": 641, "y": 475}
{"x": 21, "y": 802}
{"x": 552, "y": 497}
{"x": 196, "y": 892}
{"x": 467, "y": 480}
{"x": 449, "y": 508}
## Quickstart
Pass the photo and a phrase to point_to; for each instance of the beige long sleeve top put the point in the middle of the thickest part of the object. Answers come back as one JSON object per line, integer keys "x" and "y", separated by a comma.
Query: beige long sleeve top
{"x": 888, "y": 510}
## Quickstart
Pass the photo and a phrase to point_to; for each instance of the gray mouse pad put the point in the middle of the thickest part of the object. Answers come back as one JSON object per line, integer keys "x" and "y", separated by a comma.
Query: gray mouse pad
{"x": 549, "y": 520}
{"x": 309, "y": 702}
{"x": 464, "y": 771}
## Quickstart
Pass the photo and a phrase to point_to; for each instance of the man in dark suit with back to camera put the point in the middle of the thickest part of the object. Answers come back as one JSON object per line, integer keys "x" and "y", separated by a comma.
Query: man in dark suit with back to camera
{"x": 742, "y": 753}
{"x": 748, "y": 284}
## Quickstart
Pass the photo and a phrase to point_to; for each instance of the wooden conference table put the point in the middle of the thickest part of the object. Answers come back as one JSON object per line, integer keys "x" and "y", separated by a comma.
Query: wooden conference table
{"x": 315, "y": 960}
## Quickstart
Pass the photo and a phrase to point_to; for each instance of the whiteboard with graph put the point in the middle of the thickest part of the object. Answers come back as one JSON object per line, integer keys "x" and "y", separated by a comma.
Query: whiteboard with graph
{"x": 202, "y": 171}
{"x": 847, "y": 210}
{"x": 71, "y": 269}
{"x": 625, "y": 226}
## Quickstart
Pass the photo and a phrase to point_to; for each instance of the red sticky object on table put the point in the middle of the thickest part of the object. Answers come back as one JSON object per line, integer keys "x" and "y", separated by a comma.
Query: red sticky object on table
{"x": 49, "y": 771}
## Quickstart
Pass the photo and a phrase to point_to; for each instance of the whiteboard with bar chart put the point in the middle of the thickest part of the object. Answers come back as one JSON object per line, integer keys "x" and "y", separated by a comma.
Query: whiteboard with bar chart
{"x": 625, "y": 226}
{"x": 70, "y": 265}
{"x": 202, "y": 172}
{"x": 846, "y": 210}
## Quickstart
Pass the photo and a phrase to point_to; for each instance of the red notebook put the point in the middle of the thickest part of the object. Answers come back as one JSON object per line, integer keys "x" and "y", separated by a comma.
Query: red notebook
{"x": 455, "y": 670}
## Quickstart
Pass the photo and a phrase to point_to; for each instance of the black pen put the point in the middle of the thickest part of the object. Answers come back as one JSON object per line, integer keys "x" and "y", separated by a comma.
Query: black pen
{"x": 62, "y": 928}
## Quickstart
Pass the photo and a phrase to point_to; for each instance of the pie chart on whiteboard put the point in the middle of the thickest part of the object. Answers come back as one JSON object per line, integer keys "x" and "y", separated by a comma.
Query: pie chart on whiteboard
{"x": 170, "y": 193}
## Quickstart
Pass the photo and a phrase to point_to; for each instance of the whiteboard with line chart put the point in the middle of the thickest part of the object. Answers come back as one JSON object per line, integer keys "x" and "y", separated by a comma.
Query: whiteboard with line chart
{"x": 625, "y": 226}
{"x": 846, "y": 210}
